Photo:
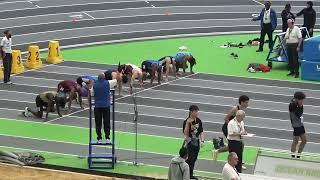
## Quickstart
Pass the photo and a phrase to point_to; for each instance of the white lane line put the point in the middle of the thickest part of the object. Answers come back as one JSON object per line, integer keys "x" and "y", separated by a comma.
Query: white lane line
{"x": 224, "y": 97}
{"x": 248, "y": 91}
{"x": 34, "y": 4}
{"x": 223, "y": 105}
{"x": 258, "y": 85}
{"x": 153, "y": 5}
{"x": 143, "y": 23}
{"x": 89, "y": 15}
{"x": 258, "y": 2}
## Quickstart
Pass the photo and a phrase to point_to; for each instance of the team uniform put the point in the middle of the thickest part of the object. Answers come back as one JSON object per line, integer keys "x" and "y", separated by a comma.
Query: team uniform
{"x": 148, "y": 65}
{"x": 67, "y": 85}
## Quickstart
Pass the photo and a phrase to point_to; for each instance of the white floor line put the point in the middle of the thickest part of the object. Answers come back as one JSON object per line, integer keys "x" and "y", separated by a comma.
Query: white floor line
{"x": 89, "y": 15}
{"x": 248, "y": 84}
{"x": 224, "y": 97}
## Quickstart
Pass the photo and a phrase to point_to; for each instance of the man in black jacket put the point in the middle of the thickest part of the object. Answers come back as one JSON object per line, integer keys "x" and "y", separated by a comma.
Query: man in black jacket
{"x": 285, "y": 15}
{"x": 309, "y": 18}
{"x": 296, "y": 112}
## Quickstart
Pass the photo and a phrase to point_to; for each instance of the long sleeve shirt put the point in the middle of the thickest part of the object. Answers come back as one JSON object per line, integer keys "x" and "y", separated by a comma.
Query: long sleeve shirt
{"x": 309, "y": 17}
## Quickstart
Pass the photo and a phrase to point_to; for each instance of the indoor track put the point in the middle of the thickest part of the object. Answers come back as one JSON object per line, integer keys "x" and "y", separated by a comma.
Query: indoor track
{"x": 162, "y": 108}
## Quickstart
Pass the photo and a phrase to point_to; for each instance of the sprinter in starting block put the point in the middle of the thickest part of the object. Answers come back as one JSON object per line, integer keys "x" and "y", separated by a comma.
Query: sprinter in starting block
{"x": 169, "y": 66}
{"x": 182, "y": 58}
{"x": 74, "y": 90}
{"x": 45, "y": 102}
{"x": 115, "y": 74}
{"x": 153, "y": 69}
{"x": 133, "y": 72}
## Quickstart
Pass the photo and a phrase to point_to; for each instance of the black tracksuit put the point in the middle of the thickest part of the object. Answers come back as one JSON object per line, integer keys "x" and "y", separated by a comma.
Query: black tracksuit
{"x": 309, "y": 19}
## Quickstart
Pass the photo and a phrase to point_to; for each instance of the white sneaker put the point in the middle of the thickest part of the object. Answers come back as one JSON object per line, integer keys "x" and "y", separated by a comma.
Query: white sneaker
{"x": 26, "y": 112}
{"x": 108, "y": 141}
{"x": 99, "y": 141}
{"x": 244, "y": 168}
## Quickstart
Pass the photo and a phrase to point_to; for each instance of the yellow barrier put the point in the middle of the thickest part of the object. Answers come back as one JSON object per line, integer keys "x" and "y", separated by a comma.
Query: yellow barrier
{"x": 1, "y": 72}
{"x": 17, "y": 66}
{"x": 54, "y": 54}
{"x": 33, "y": 60}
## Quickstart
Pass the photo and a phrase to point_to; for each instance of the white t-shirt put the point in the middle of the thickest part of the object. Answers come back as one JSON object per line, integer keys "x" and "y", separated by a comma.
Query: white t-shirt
{"x": 229, "y": 172}
{"x": 235, "y": 126}
{"x": 266, "y": 17}
{"x": 6, "y": 45}
{"x": 293, "y": 35}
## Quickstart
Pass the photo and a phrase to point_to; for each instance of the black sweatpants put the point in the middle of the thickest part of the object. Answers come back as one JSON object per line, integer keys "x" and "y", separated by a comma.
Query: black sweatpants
{"x": 193, "y": 152}
{"x": 293, "y": 58}
{"x": 7, "y": 64}
{"x": 99, "y": 114}
{"x": 266, "y": 29}
{"x": 237, "y": 147}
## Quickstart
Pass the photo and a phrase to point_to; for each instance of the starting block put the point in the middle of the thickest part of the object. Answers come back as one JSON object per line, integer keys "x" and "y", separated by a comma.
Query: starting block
{"x": 17, "y": 66}
{"x": 33, "y": 60}
{"x": 54, "y": 54}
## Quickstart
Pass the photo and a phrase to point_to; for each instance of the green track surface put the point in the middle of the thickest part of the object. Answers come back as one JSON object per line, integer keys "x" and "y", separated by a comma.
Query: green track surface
{"x": 124, "y": 140}
{"x": 211, "y": 58}
{"x": 120, "y": 167}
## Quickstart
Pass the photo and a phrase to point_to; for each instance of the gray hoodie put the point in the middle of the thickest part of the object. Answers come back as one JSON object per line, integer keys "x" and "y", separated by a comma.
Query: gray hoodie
{"x": 177, "y": 172}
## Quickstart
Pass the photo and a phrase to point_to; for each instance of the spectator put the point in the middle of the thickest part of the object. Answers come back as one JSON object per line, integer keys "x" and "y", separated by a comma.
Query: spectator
{"x": 6, "y": 55}
{"x": 309, "y": 18}
{"x": 193, "y": 131}
{"x": 268, "y": 22}
{"x": 229, "y": 171}
{"x": 296, "y": 112}
{"x": 293, "y": 39}
{"x": 285, "y": 15}
{"x": 179, "y": 169}
{"x": 235, "y": 131}
{"x": 101, "y": 93}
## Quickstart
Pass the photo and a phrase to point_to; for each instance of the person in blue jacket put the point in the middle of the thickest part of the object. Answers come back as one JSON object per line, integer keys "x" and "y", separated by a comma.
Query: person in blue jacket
{"x": 101, "y": 92}
{"x": 268, "y": 23}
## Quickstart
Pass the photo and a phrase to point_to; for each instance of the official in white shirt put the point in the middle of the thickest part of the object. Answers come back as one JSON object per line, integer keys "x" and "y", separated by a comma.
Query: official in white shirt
{"x": 235, "y": 131}
{"x": 6, "y": 55}
{"x": 293, "y": 39}
{"x": 229, "y": 172}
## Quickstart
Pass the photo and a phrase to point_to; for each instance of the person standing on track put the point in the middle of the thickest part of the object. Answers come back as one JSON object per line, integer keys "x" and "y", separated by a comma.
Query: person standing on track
{"x": 6, "y": 55}
{"x": 101, "y": 91}
{"x": 296, "y": 118}
{"x": 235, "y": 132}
{"x": 243, "y": 104}
{"x": 268, "y": 22}
{"x": 194, "y": 137}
